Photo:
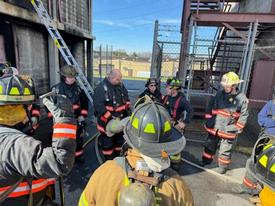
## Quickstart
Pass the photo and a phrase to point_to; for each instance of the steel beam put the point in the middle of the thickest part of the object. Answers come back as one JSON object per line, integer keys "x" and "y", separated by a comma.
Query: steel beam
{"x": 234, "y": 19}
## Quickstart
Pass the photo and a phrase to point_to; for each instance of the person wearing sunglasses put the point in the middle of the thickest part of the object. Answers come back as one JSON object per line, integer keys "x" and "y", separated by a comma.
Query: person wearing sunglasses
{"x": 152, "y": 90}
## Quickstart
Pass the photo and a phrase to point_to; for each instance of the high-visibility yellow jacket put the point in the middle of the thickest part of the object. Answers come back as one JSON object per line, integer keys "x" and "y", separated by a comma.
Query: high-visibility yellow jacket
{"x": 267, "y": 197}
{"x": 106, "y": 182}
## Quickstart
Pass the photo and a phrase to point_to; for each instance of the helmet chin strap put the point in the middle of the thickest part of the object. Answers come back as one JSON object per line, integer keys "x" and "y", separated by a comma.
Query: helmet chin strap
{"x": 27, "y": 125}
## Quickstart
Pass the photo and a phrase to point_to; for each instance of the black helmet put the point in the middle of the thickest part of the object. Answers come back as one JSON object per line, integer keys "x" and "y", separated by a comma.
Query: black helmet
{"x": 150, "y": 132}
{"x": 68, "y": 71}
{"x": 3, "y": 67}
{"x": 151, "y": 81}
{"x": 14, "y": 90}
{"x": 176, "y": 83}
{"x": 262, "y": 164}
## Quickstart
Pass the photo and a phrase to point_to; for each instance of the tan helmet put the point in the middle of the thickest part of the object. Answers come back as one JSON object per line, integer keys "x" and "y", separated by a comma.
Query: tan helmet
{"x": 230, "y": 78}
{"x": 136, "y": 194}
{"x": 68, "y": 71}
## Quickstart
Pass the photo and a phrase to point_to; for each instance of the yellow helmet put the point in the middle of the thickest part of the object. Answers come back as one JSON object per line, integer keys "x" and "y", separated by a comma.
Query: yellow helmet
{"x": 230, "y": 79}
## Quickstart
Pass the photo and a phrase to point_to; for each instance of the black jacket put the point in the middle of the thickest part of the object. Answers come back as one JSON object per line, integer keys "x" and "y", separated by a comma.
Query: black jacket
{"x": 154, "y": 96}
{"x": 110, "y": 101}
{"x": 182, "y": 105}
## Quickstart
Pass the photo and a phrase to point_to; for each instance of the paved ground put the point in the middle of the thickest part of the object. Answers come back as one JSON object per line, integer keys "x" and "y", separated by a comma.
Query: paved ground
{"x": 208, "y": 189}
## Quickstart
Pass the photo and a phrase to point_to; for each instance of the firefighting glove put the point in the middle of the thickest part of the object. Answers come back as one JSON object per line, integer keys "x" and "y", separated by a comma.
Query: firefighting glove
{"x": 60, "y": 107}
{"x": 115, "y": 126}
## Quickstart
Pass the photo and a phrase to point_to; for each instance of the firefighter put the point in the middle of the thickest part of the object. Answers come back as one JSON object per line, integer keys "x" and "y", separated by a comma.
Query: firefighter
{"x": 176, "y": 104}
{"x": 111, "y": 101}
{"x": 151, "y": 139}
{"x": 226, "y": 117}
{"x": 262, "y": 167}
{"x": 266, "y": 119}
{"x": 31, "y": 126}
{"x": 69, "y": 87}
{"x": 152, "y": 90}
{"x": 26, "y": 166}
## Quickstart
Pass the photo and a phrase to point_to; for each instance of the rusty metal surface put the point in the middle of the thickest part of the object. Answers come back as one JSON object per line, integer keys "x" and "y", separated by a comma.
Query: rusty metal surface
{"x": 262, "y": 81}
{"x": 2, "y": 49}
{"x": 234, "y": 19}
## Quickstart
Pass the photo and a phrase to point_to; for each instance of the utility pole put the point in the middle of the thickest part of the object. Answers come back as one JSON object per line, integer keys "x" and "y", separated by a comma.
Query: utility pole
{"x": 107, "y": 56}
{"x": 154, "y": 51}
{"x": 111, "y": 56}
{"x": 100, "y": 62}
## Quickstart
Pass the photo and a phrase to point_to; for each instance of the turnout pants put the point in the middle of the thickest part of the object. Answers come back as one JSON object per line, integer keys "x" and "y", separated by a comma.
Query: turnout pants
{"x": 111, "y": 146}
{"x": 224, "y": 153}
{"x": 79, "y": 141}
{"x": 249, "y": 181}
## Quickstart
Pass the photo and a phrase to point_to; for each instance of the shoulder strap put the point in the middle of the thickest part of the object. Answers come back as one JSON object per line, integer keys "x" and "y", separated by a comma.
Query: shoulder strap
{"x": 165, "y": 100}
{"x": 176, "y": 107}
{"x": 5, "y": 194}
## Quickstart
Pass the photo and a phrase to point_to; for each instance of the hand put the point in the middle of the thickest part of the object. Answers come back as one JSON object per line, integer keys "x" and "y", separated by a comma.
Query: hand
{"x": 181, "y": 125}
{"x": 81, "y": 118}
{"x": 59, "y": 108}
{"x": 34, "y": 122}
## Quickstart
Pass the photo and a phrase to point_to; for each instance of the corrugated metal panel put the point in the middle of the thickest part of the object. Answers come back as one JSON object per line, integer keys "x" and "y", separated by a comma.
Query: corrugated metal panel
{"x": 26, "y": 4}
{"x": 75, "y": 13}
{"x": 262, "y": 82}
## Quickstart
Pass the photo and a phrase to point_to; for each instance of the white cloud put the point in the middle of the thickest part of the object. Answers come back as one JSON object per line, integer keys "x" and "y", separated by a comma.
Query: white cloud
{"x": 124, "y": 25}
{"x": 105, "y": 22}
{"x": 170, "y": 21}
{"x": 112, "y": 23}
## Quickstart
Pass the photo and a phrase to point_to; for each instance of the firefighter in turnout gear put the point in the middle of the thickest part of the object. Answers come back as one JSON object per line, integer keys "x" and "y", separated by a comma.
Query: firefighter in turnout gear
{"x": 152, "y": 90}
{"x": 111, "y": 101}
{"x": 27, "y": 168}
{"x": 68, "y": 87}
{"x": 31, "y": 126}
{"x": 226, "y": 117}
{"x": 266, "y": 119}
{"x": 261, "y": 166}
{"x": 176, "y": 104}
{"x": 151, "y": 139}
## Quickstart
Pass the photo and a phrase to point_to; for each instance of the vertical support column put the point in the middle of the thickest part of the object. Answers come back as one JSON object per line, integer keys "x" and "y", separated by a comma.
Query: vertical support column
{"x": 186, "y": 39}
{"x": 155, "y": 51}
{"x": 244, "y": 61}
{"x": 250, "y": 57}
{"x": 100, "y": 62}
{"x": 90, "y": 61}
{"x": 53, "y": 55}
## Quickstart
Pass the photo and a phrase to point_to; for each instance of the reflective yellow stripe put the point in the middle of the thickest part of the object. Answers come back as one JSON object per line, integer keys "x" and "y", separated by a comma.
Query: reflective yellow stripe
{"x": 14, "y": 91}
{"x": 57, "y": 43}
{"x": 175, "y": 157}
{"x": 27, "y": 91}
{"x": 150, "y": 128}
{"x": 16, "y": 98}
{"x": 267, "y": 146}
{"x": 272, "y": 169}
{"x": 135, "y": 123}
{"x": 167, "y": 126}
{"x": 32, "y": 1}
{"x": 1, "y": 89}
{"x": 263, "y": 160}
{"x": 126, "y": 181}
{"x": 83, "y": 201}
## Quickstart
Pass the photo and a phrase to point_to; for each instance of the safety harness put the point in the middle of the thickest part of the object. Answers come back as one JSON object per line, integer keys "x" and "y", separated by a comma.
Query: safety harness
{"x": 173, "y": 112}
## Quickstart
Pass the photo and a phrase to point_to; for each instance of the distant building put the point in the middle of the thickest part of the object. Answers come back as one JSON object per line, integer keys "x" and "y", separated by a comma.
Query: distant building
{"x": 25, "y": 43}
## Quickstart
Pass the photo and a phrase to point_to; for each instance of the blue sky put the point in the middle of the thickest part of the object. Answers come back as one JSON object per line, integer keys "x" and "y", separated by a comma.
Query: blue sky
{"x": 129, "y": 24}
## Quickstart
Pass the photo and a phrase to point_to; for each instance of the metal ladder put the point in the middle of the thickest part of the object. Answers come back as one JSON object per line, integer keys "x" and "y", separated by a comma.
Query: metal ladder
{"x": 62, "y": 47}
